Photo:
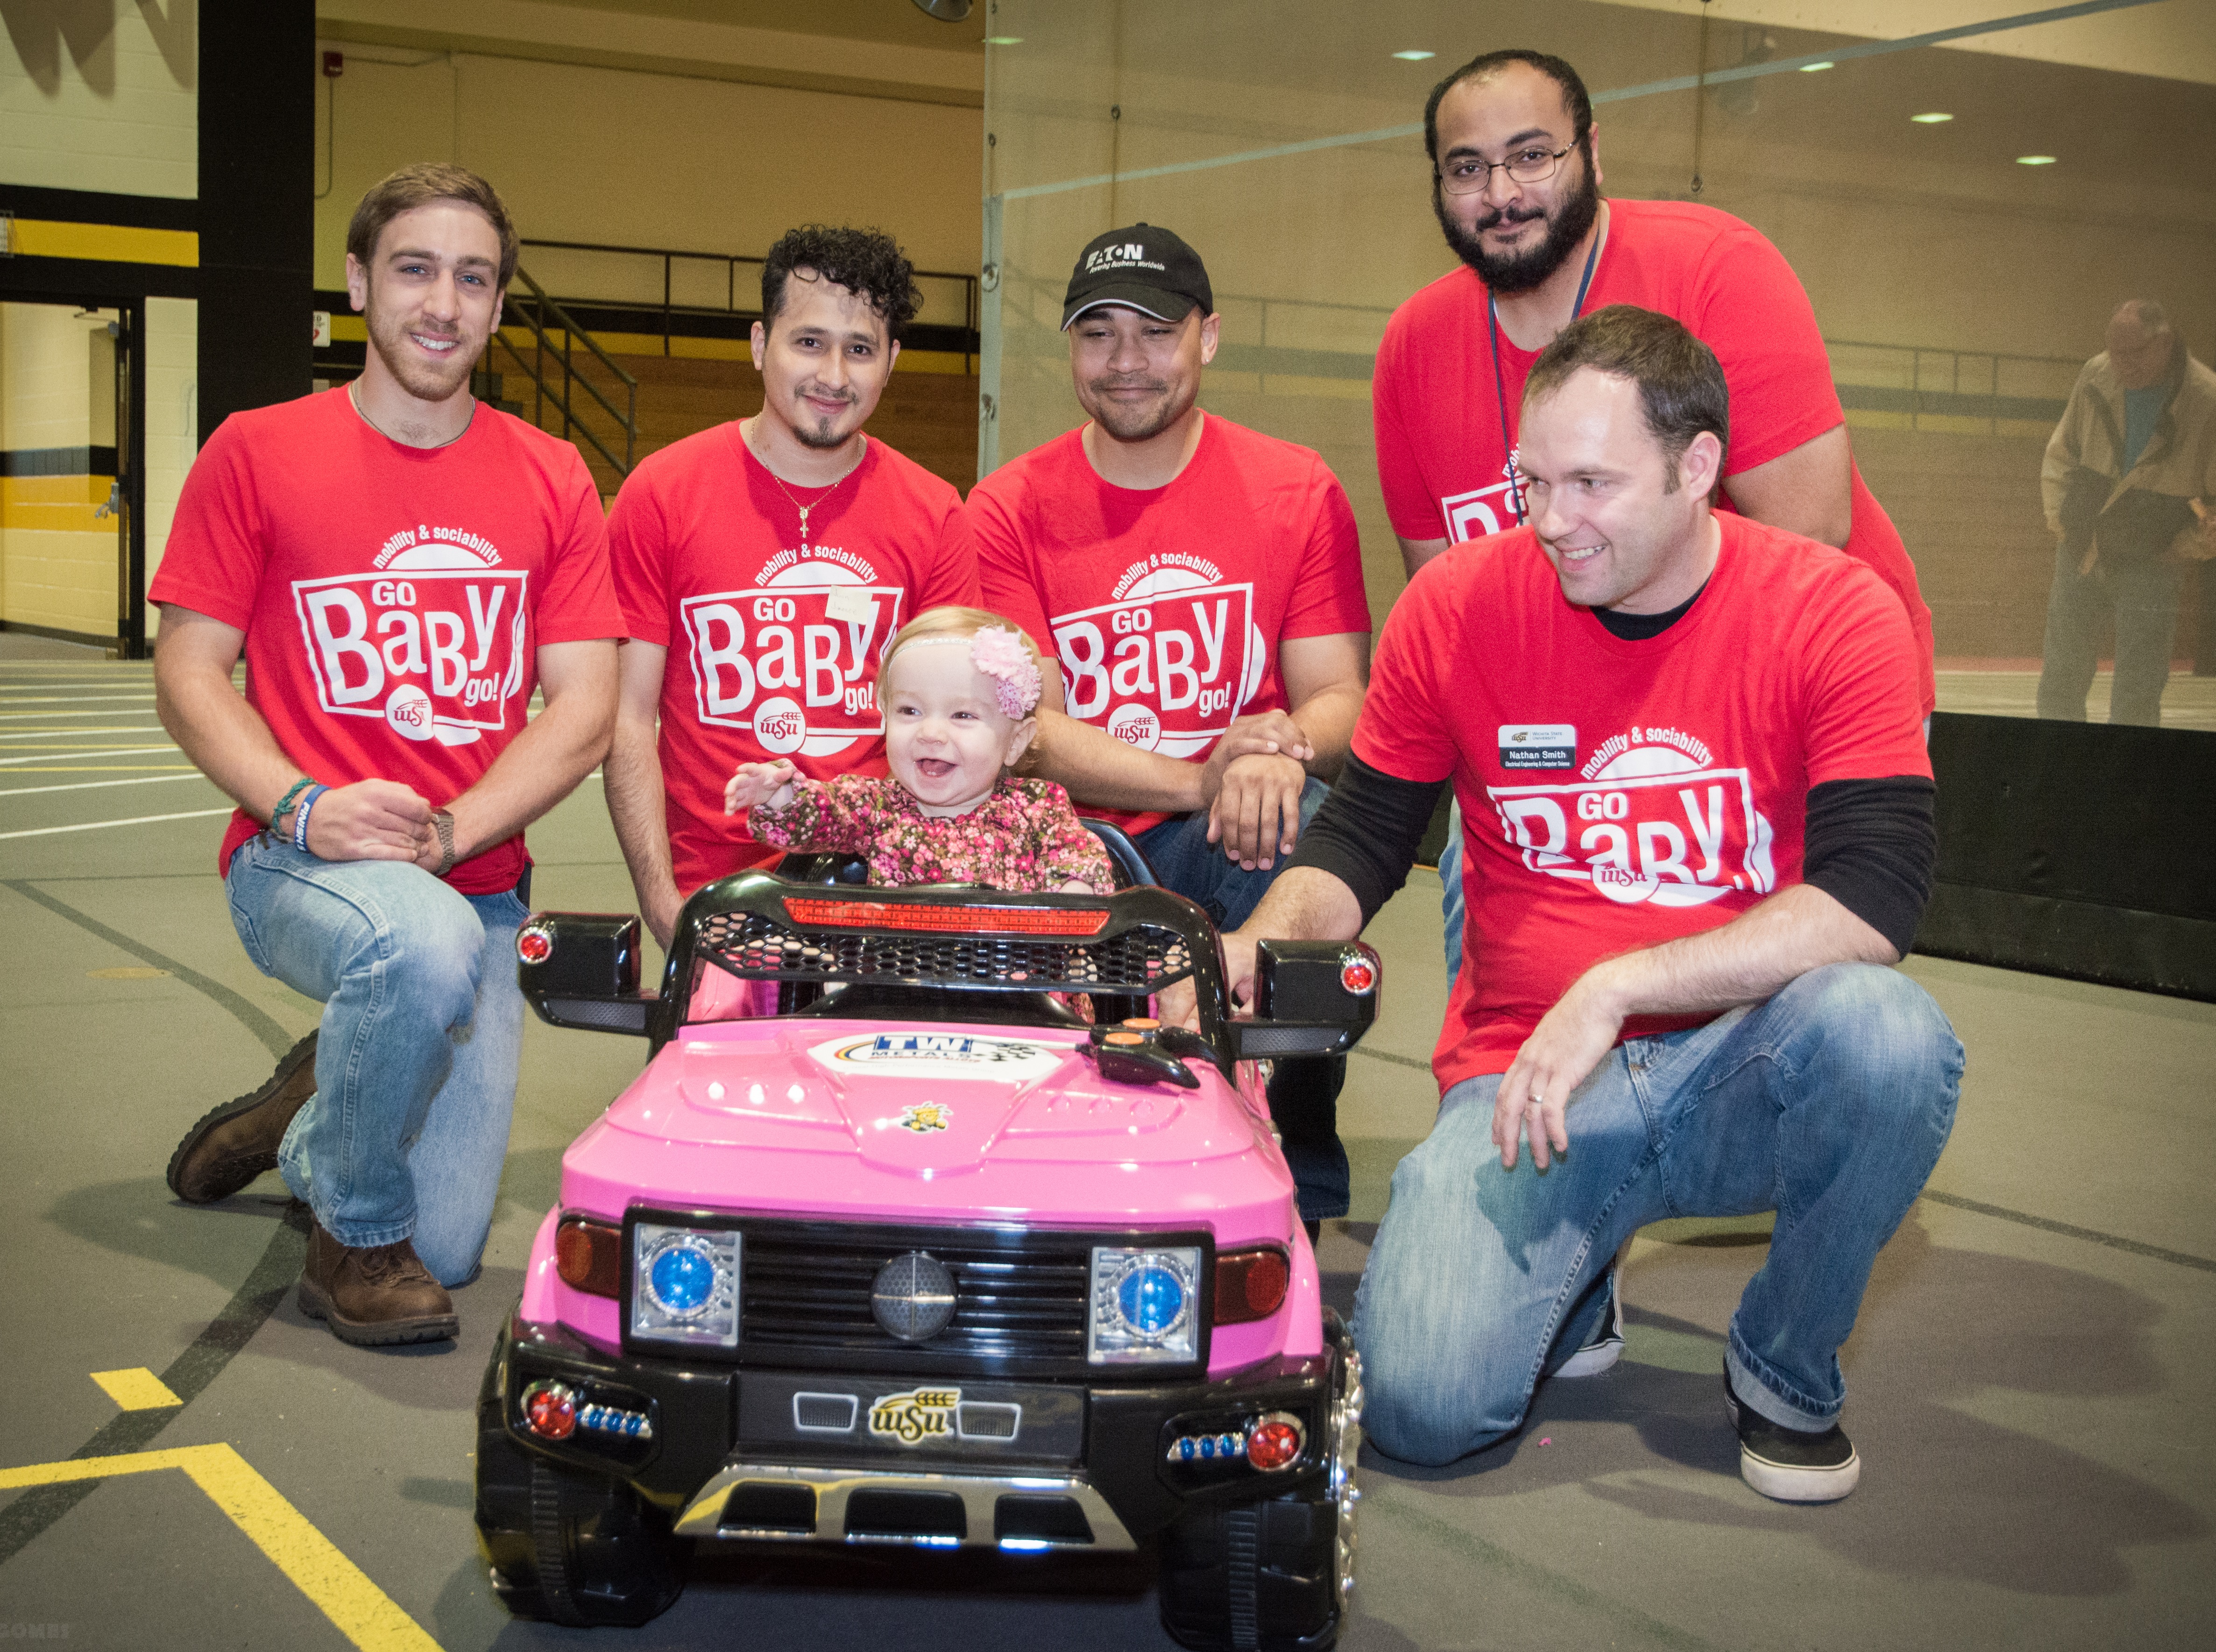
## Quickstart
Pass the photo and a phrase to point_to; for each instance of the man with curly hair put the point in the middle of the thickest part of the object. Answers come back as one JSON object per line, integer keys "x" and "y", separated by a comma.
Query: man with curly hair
{"x": 763, "y": 565}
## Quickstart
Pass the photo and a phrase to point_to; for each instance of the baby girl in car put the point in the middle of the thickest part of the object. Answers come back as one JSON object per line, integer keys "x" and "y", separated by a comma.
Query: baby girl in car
{"x": 957, "y": 689}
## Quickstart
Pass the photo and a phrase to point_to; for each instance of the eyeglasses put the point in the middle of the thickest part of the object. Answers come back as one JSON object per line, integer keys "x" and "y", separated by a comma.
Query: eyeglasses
{"x": 1466, "y": 174}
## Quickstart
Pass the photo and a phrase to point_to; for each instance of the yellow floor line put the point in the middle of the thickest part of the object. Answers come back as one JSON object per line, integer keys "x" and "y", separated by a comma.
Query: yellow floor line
{"x": 364, "y": 1613}
{"x": 136, "y": 1389}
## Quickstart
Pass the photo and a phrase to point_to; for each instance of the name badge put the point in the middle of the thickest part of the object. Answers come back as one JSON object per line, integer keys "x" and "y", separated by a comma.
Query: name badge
{"x": 1538, "y": 745}
{"x": 852, "y": 602}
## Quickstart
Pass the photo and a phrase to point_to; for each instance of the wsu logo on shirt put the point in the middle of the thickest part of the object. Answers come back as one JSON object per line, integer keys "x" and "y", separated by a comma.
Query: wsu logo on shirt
{"x": 790, "y": 661}
{"x": 1651, "y": 817}
{"x": 1169, "y": 662}
{"x": 432, "y": 641}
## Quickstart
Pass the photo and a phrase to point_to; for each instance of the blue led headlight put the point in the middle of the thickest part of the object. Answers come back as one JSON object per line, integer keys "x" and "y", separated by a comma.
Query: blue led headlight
{"x": 1145, "y": 1306}
{"x": 684, "y": 1285}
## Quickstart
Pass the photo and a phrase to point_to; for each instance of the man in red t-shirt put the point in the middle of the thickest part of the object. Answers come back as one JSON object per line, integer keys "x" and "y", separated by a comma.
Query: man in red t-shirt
{"x": 1201, "y": 584}
{"x": 1696, "y": 747}
{"x": 402, "y": 568}
{"x": 1515, "y": 185}
{"x": 763, "y": 565}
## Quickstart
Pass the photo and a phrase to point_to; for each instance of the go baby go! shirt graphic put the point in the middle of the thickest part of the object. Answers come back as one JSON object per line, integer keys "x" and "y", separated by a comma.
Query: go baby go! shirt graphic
{"x": 1169, "y": 660}
{"x": 790, "y": 661}
{"x": 1651, "y": 816}
{"x": 431, "y": 640}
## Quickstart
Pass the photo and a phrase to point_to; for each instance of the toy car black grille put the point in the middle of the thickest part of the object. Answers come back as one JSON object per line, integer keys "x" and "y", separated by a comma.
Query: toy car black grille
{"x": 1141, "y": 959}
{"x": 1019, "y": 1308}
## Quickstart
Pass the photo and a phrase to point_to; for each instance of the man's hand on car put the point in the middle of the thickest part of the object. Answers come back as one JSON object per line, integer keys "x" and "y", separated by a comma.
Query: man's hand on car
{"x": 370, "y": 820}
{"x": 1178, "y": 1005}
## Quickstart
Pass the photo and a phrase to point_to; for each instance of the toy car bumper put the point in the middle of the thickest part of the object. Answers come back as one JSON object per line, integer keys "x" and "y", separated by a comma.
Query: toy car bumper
{"x": 782, "y": 1456}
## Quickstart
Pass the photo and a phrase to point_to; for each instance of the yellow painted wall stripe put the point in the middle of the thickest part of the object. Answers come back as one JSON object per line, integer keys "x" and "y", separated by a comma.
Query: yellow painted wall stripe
{"x": 364, "y": 1613}
{"x": 45, "y": 237}
{"x": 136, "y": 1389}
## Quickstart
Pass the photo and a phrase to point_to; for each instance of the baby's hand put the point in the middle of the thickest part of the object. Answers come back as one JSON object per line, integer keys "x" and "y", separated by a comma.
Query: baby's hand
{"x": 757, "y": 784}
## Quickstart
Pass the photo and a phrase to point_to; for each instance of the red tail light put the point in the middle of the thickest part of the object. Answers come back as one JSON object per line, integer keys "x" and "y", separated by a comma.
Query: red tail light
{"x": 1357, "y": 975}
{"x": 1274, "y": 1442}
{"x": 816, "y": 913}
{"x": 1251, "y": 1284}
{"x": 535, "y": 945}
{"x": 588, "y": 1255}
{"x": 549, "y": 1410}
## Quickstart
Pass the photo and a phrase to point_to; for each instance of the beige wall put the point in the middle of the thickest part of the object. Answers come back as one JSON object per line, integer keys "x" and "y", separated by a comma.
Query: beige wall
{"x": 100, "y": 94}
{"x": 585, "y": 153}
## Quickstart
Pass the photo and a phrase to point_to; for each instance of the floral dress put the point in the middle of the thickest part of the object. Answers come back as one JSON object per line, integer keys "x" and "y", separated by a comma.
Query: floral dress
{"x": 1024, "y": 836}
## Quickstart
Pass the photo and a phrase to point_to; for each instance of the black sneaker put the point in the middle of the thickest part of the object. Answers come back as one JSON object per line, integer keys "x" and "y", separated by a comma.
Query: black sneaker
{"x": 1792, "y": 1464}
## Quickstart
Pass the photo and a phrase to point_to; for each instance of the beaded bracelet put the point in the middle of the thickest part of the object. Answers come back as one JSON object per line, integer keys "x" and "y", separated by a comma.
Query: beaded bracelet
{"x": 300, "y": 820}
{"x": 284, "y": 803}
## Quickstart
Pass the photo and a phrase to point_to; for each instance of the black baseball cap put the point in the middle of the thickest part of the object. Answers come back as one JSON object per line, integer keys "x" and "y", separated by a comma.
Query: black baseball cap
{"x": 1145, "y": 269}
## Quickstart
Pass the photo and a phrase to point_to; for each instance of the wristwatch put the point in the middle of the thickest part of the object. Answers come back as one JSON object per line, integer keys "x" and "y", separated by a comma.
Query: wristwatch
{"x": 443, "y": 823}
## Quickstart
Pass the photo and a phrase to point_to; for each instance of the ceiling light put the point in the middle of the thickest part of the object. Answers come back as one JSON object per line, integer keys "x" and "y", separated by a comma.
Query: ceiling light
{"x": 1816, "y": 68}
{"x": 2035, "y": 160}
{"x": 1004, "y": 39}
{"x": 1414, "y": 57}
{"x": 1931, "y": 119}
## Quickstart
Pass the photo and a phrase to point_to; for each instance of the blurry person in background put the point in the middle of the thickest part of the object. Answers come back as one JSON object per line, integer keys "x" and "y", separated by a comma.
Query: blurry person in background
{"x": 2129, "y": 474}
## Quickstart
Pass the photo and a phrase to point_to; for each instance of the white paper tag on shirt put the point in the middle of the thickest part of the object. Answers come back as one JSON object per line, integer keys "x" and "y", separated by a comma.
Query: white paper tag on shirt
{"x": 1538, "y": 745}
{"x": 850, "y": 603}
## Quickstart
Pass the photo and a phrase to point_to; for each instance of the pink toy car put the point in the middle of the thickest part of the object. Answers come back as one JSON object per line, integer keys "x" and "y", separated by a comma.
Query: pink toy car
{"x": 889, "y": 1244}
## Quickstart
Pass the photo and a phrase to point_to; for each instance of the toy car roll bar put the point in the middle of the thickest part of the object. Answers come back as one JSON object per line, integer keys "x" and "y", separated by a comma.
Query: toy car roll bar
{"x": 581, "y": 970}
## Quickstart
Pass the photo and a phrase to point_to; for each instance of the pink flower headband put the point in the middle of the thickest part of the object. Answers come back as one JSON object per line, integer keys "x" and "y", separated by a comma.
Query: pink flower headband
{"x": 1000, "y": 654}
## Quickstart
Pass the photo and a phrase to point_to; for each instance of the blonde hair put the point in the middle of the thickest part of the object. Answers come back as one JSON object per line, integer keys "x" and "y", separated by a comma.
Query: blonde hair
{"x": 954, "y": 620}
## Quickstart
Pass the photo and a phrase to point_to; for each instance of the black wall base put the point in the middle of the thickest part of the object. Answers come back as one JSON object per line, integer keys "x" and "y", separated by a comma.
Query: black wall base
{"x": 2076, "y": 849}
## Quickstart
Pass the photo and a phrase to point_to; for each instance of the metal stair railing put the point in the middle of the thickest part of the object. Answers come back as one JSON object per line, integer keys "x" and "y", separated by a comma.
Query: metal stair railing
{"x": 536, "y": 313}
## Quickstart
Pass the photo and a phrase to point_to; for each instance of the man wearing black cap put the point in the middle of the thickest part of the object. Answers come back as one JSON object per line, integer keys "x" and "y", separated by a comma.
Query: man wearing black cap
{"x": 1201, "y": 585}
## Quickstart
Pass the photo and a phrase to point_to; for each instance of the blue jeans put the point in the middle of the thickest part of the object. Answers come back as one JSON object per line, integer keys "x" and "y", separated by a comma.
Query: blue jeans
{"x": 415, "y": 1066}
{"x": 1304, "y": 1090}
{"x": 1828, "y": 1103}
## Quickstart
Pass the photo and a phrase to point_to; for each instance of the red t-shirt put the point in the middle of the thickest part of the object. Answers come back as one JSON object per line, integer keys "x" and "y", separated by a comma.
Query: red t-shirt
{"x": 1442, "y": 456}
{"x": 1166, "y": 606}
{"x": 1616, "y": 794}
{"x": 394, "y": 599}
{"x": 774, "y": 645}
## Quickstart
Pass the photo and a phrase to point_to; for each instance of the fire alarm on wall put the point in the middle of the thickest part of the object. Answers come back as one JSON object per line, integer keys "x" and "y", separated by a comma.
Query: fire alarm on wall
{"x": 334, "y": 64}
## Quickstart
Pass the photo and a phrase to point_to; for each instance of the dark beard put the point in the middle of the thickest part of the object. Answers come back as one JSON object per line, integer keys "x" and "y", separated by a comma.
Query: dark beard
{"x": 1523, "y": 271}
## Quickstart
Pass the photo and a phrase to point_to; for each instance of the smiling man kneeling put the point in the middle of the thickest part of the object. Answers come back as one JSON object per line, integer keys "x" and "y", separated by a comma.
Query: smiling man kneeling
{"x": 1696, "y": 743}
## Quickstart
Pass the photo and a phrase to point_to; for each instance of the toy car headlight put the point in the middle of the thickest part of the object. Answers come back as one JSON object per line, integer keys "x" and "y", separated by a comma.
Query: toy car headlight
{"x": 684, "y": 1285}
{"x": 1145, "y": 1306}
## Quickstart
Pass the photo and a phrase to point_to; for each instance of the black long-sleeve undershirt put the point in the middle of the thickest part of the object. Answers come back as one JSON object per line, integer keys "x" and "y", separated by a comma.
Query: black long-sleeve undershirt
{"x": 1871, "y": 845}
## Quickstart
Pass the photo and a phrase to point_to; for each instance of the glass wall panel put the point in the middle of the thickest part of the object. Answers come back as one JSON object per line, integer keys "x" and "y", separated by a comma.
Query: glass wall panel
{"x": 1963, "y": 268}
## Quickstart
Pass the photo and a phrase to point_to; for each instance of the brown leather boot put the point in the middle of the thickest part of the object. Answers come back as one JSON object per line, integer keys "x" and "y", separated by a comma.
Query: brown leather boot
{"x": 238, "y": 1141}
{"x": 375, "y": 1295}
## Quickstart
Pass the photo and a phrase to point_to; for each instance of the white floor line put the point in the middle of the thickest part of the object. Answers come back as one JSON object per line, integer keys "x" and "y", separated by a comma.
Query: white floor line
{"x": 69, "y": 734}
{"x": 74, "y": 711}
{"x": 95, "y": 825}
{"x": 96, "y": 751}
{"x": 87, "y": 786}
{"x": 10, "y": 697}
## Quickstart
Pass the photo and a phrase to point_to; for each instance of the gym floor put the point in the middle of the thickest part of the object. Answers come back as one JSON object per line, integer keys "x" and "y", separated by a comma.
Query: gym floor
{"x": 2032, "y": 1387}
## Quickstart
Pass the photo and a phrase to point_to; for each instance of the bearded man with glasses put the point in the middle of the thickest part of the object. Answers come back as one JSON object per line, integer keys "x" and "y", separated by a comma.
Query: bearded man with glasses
{"x": 1516, "y": 184}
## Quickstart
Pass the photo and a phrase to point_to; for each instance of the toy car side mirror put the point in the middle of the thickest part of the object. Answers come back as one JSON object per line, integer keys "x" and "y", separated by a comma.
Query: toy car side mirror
{"x": 1311, "y": 998}
{"x": 581, "y": 970}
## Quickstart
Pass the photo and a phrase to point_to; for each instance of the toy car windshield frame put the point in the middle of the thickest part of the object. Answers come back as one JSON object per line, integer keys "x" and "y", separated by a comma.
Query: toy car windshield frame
{"x": 759, "y": 927}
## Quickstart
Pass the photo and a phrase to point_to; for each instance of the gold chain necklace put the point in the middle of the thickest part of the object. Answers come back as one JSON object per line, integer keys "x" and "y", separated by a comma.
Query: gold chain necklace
{"x": 788, "y": 493}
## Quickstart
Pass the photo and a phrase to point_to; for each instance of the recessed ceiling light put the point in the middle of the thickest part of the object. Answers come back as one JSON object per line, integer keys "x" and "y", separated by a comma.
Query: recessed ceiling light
{"x": 1004, "y": 39}
{"x": 1414, "y": 57}
{"x": 1816, "y": 68}
{"x": 1931, "y": 119}
{"x": 2035, "y": 160}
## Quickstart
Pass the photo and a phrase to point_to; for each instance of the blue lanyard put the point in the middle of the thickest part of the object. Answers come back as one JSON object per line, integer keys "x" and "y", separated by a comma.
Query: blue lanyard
{"x": 1500, "y": 383}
